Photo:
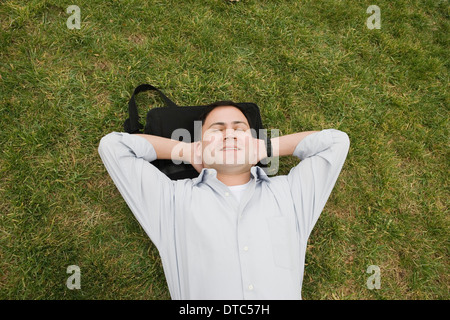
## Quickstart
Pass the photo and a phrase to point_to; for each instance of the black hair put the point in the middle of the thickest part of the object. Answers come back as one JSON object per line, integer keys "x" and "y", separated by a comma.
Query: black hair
{"x": 212, "y": 106}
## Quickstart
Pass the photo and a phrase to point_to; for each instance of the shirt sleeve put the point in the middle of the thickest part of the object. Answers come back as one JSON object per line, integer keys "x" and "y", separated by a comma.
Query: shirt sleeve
{"x": 322, "y": 156}
{"x": 145, "y": 189}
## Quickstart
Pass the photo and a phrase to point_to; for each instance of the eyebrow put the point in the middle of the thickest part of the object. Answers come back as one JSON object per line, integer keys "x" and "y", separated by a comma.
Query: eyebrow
{"x": 223, "y": 123}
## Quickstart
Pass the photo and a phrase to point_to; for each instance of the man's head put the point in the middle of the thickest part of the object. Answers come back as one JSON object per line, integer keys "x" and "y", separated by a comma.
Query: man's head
{"x": 226, "y": 138}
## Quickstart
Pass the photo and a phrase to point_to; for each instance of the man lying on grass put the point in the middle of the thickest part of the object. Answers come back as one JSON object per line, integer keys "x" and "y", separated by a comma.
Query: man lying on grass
{"x": 232, "y": 232}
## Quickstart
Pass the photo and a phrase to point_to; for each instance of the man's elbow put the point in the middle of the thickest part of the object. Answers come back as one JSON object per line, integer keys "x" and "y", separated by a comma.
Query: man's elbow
{"x": 346, "y": 139}
{"x": 106, "y": 143}
{"x": 342, "y": 138}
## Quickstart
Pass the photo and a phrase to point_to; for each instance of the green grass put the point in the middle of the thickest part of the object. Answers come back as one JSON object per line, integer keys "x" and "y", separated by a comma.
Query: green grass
{"x": 309, "y": 65}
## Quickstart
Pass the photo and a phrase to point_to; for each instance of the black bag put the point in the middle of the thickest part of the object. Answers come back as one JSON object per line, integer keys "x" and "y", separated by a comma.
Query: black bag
{"x": 163, "y": 121}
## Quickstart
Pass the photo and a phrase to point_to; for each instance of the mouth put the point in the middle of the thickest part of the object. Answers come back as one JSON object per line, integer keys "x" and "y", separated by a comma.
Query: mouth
{"x": 230, "y": 149}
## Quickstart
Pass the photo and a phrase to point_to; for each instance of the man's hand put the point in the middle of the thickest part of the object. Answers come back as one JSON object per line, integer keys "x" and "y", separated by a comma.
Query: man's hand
{"x": 188, "y": 152}
{"x": 257, "y": 150}
{"x": 193, "y": 157}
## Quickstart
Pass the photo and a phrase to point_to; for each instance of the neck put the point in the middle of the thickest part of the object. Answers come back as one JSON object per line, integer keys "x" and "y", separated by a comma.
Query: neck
{"x": 234, "y": 179}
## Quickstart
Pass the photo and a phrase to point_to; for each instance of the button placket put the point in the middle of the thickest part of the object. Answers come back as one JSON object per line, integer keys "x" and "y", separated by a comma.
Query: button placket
{"x": 245, "y": 259}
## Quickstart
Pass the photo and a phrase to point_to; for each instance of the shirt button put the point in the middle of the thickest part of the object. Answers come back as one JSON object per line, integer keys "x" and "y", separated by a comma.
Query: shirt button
{"x": 245, "y": 248}
{"x": 250, "y": 287}
{"x": 227, "y": 194}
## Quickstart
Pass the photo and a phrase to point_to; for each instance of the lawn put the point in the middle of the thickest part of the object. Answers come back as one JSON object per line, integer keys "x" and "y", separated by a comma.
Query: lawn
{"x": 309, "y": 65}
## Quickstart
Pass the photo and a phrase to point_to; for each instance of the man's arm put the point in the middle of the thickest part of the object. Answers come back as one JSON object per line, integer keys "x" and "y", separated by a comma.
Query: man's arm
{"x": 322, "y": 156}
{"x": 164, "y": 147}
{"x": 169, "y": 149}
{"x": 147, "y": 191}
{"x": 281, "y": 146}
{"x": 285, "y": 145}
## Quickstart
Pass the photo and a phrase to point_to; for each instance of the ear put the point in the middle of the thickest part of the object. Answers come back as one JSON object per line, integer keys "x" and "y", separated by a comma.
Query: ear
{"x": 197, "y": 161}
{"x": 198, "y": 151}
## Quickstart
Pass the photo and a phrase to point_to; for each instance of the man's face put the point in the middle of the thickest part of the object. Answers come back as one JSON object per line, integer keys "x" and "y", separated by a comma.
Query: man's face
{"x": 226, "y": 137}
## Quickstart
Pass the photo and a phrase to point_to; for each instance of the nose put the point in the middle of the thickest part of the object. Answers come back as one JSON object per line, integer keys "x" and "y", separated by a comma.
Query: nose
{"x": 230, "y": 134}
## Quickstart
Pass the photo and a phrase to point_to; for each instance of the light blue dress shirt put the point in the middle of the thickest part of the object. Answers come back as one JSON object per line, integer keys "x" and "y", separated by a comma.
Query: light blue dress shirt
{"x": 213, "y": 247}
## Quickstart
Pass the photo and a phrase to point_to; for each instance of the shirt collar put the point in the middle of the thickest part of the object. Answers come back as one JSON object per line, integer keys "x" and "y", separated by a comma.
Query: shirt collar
{"x": 256, "y": 173}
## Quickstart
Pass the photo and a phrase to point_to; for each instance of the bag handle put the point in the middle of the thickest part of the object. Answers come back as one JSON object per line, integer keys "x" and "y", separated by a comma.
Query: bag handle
{"x": 132, "y": 124}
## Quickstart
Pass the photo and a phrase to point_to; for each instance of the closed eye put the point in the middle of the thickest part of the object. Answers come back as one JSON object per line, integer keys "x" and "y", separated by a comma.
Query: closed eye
{"x": 222, "y": 129}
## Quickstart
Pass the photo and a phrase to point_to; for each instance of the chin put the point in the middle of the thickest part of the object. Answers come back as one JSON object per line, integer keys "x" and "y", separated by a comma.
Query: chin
{"x": 232, "y": 168}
